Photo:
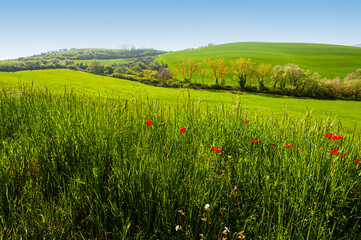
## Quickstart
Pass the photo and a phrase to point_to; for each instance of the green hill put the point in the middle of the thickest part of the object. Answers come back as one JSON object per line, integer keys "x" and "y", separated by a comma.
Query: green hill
{"x": 328, "y": 60}
{"x": 269, "y": 105}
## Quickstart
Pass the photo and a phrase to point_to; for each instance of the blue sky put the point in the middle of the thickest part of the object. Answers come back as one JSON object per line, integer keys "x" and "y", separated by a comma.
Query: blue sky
{"x": 35, "y": 26}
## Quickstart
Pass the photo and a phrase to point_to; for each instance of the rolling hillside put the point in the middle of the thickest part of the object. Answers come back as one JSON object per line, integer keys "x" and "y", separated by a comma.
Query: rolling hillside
{"x": 328, "y": 60}
{"x": 85, "y": 83}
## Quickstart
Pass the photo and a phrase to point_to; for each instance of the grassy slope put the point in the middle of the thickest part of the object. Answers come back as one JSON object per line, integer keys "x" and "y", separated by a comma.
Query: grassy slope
{"x": 328, "y": 60}
{"x": 80, "y": 82}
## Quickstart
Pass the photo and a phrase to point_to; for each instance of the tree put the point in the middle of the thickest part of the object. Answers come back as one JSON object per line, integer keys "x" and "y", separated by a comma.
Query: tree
{"x": 192, "y": 67}
{"x": 219, "y": 70}
{"x": 165, "y": 74}
{"x": 203, "y": 69}
{"x": 261, "y": 72}
{"x": 187, "y": 69}
{"x": 293, "y": 73}
{"x": 277, "y": 75}
{"x": 242, "y": 69}
{"x": 96, "y": 67}
{"x": 309, "y": 84}
{"x": 354, "y": 75}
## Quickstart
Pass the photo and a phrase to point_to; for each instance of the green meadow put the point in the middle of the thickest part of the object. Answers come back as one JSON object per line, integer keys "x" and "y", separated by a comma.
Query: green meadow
{"x": 88, "y": 166}
{"x": 328, "y": 60}
{"x": 347, "y": 112}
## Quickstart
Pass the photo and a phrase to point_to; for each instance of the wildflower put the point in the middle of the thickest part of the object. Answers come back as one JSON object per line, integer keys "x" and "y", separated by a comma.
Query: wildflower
{"x": 165, "y": 151}
{"x": 336, "y": 138}
{"x": 254, "y": 141}
{"x": 333, "y": 152}
{"x": 149, "y": 122}
{"x": 213, "y": 148}
{"x": 240, "y": 235}
{"x": 213, "y": 163}
{"x": 344, "y": 155}
{"x": 163, "y": 124}
{"x": 204, "y": 219}
{"x": 229, "y": 156}
{"x": 273, "y": 144}
{"x": 245, "y": 123}
{"x": 328, "y": 135}
{"x": 219, "y": 150}
{"x": 357, "y": 160}
{"x": 182, "y": 130}
{"x": 207, "y": 207}
{"x": 181, "y": 212}
{"x": 294, "y": 150}
{"x": 226, "y": 230}
{"x": 288, "y": 145}
{"x": 178, "y": 228}
{"x": 235, "y": 187}
{"x": 52, "y": 135}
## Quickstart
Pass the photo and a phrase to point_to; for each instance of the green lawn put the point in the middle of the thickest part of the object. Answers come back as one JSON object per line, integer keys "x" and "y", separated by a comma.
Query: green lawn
{"x": 328, "y": 60}
{"x": 348, "y": 112}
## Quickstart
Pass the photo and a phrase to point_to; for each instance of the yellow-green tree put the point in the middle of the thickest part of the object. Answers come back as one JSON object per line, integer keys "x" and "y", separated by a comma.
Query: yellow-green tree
{"x": 203, "y": 69}
{"x": 219, "y": 70}
{"x": 262, "y": 71}
{"x": 187, "y": 69}
{"x": 242, "y": 69}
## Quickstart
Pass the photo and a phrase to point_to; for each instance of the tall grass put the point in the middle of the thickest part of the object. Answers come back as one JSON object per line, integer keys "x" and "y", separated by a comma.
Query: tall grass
{"x": 74, "y": 166}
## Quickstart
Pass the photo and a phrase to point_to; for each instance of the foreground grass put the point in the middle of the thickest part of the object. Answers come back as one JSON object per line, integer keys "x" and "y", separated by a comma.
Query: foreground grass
{"x": 75, "y": 166}
{"x": 346, "y": 112}
{"x": 328, "y": 60}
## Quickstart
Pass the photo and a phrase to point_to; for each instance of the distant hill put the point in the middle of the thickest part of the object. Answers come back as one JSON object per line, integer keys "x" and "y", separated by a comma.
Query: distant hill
{"x": 328, "y": 60}
{"x": 78, "y": 59}
{"x": 97, "y": 53}
{"x": 357, "y": 45}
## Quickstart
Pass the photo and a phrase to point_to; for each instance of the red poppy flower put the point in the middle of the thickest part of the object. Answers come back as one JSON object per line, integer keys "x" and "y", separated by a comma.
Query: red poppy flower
{"x": 254, "y": 141}
{"x": 328, "y": 135}
{"x": 293, "y": 150}
{"x": 336, "y": 138}
{"x": 333, "y": 152}
{"x": 344, "y": 155}
{"x": 182, "y": 130}
{"x": 213, "y": 148}
{"x": 149, "y": 122}
{"x": 357, "y": 160}
{"x": 165, "y": 151}
{"x": 288, "y": 145}
{"x": 245, "y": 123}
{"x": 219, "y": 150}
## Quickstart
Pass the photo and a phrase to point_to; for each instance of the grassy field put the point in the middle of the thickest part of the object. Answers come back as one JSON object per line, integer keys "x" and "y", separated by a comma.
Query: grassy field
{"x": 328, "y": 60}
{"x": 347, "y": 112}
{"x": 93, "y": 167}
